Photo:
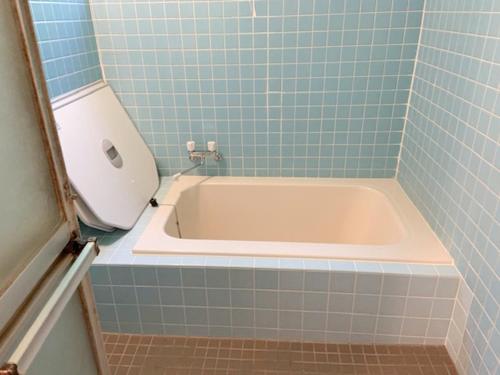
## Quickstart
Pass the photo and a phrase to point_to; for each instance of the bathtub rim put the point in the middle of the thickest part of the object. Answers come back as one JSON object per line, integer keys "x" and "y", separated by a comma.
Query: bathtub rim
{"x": 426, "y": 247}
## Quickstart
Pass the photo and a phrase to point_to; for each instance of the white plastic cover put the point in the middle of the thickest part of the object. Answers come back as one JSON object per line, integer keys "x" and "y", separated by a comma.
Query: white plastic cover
{"x": 109, "y": 165}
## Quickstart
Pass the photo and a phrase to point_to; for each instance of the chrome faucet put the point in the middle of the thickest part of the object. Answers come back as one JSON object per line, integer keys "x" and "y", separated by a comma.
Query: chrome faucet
{"x": 199, "y": 156}
{"x": 202, "y": 155}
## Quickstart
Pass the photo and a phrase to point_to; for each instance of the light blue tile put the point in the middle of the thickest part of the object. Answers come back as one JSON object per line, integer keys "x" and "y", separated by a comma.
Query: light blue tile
{"x": 152, "y": 329}
{"x": 218, "y": 298}
{"x": 70, "y": 26}
{"x": 170, "y": 261}
{"x": 423, "y": 269}
{"x": 266, "y": 279}
{"x": 217, "y": 261}
{"x": 266, "y": 263}
{"x": 127, "y": 327}
{"x": 110, "y": 327}
{"x": 219, "y": 317}
{"x": 363, "y": 324}
{"x": 242, "y": 298}
{"x": 340, "y": 302}
{"x": 242, "y": 317}
{"x": 124, "y": 295}
{"x": 147, "y": 260}
{"x": 169, "y": 276}
{"x": 103, "y": 294}
{"x": 127, "y": 314}
{"x": 193, "y": 260}
{"x": 447, "y": 287}
{"x": 266, "y": 318}
{"x": 242, "y": 278}
{"x": 314, "y": 321}
{"x": 315, "y": 301}
{"x": 418, "y": 307}
{"x": 442, "y": 308}
{"x": 290, "y": 320}
{"x": 367, "y": 267}
{"x": 447, "y": 271}
{"x": 144, "y": 276}
{"x": 395, "y": 285}
{"x": 266, "y": 299}
{"x": 291, "y": 300}
{"x": 421, "y": 286}
{"x": 366, "y": 304}
{"x": 215, "y": 331}
{"x": 99, "y": 275}
{"x": 242, "y": 262}
{"x": 217, "y": 278}
{"x": 195, "y": 297}
{"x": 342, "y": 266}
{"x": 389, "y": 326}
{"x": 342, "y": 282}
{"x": 291, "y": 280}
{"x": 148, "y": 295}
{"x": 173, "y": 315}
{"x": 121, "y": 275}
{"x": 174, "y": 329}
{"x": 316, "y": 281}
{"x": 196, "y": 315}
{"x": 150, "y": 314}
{"x": 316, "y": 264}
{"x": 339, "y": 322}
{"x": 171, "y": 296}
{"x": 291, "y": 264}
{"x": 396, "y": 268}
{"x": 368, "y": 283}
{"x": 193, "y": 277}
{"x": 107, "y": 312}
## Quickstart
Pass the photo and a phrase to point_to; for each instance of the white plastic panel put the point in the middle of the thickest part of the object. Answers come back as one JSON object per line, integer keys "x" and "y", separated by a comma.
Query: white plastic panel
{"x": 109, "y": 165}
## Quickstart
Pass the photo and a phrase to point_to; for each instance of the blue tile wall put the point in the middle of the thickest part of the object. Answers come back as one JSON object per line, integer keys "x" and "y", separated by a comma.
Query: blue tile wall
{"x": 306, "y": 88}
{"x": 450, "y": 161}
{"x": 67, "y": 44}
{"x": 277, "y": 303}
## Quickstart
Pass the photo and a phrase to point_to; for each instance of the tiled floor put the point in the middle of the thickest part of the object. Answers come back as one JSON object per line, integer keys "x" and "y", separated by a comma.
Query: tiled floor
{"x": 162, "y": 355}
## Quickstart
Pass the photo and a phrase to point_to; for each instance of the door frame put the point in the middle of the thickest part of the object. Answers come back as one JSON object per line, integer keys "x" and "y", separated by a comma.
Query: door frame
{"x": 21, "y": 293}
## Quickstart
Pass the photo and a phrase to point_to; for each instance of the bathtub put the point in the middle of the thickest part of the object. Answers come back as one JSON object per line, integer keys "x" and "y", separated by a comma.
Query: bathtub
{"x": 352, "y": 219}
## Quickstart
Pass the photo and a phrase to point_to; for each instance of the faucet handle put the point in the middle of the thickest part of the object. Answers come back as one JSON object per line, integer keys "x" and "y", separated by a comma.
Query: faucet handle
{"x": 190, "y": 145}
{"x": 212, "y": 146}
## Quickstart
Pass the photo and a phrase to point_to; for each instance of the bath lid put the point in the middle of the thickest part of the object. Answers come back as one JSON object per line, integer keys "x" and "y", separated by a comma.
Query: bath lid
{"x": 109, "y": 165}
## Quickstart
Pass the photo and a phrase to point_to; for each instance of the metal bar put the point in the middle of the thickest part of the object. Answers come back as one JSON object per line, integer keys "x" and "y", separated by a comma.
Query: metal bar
{"x": 204, "y": 154}
{"x": 178, "y": 174}
{"x": 34, "y": 338}
{"x": 28, "y": 278}
{"x": 93, "y": 325}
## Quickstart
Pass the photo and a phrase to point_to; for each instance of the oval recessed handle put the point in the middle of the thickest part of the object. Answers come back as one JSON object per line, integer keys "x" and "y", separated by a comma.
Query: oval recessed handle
{"x": 112, "y": 153}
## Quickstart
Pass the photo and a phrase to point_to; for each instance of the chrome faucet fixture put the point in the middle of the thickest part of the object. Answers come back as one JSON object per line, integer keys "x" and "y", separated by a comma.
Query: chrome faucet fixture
{"x": 202, "y": 155}
{"x": 199, "y": 156}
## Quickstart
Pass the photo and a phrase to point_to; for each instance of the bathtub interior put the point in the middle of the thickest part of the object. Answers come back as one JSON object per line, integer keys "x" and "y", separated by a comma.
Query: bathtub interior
{"x": 343, "y": 219}
{"x": 311, "y": 213}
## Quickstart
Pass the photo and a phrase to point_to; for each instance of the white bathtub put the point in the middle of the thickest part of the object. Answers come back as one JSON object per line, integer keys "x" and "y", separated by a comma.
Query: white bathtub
{"x": 355, "y": 219}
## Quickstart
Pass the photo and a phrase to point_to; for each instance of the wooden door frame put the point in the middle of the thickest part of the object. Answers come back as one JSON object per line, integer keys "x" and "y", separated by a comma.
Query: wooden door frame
{"x": 47, "y": 126}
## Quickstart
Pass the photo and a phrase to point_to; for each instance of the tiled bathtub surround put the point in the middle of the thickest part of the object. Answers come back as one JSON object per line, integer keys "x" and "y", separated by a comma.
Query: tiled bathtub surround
{"x": 67, "y": 44}
{"x": 450, "y": 161}
{"x": 290, "y": 299}
{"x": 365, "y": 305}
{"x": 306, "y": 88}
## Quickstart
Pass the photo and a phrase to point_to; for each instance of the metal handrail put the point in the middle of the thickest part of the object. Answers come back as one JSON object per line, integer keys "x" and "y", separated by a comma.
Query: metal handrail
{"x": 29, "y": 346}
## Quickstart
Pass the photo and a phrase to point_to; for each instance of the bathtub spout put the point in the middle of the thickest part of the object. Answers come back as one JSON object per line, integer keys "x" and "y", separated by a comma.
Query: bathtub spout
{"x": 178, "y": 174}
